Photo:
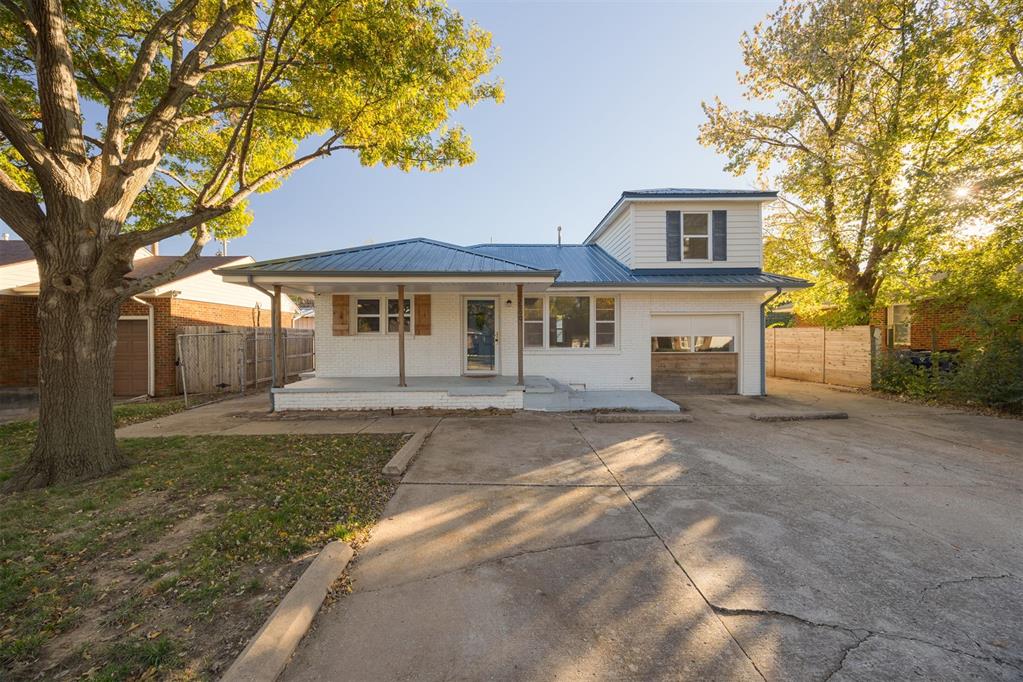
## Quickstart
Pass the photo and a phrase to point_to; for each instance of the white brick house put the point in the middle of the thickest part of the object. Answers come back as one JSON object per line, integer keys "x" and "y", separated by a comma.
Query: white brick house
{"x": 665, "y": 296}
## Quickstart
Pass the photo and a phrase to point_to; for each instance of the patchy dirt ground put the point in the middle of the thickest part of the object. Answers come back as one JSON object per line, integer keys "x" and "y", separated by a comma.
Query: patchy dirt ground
{"x": 166, "y": 569}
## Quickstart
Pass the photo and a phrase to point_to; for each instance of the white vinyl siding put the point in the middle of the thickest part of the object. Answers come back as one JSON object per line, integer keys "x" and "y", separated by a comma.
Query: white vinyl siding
{"x": 744, "y": 234}
{"x": 617, "y": 238}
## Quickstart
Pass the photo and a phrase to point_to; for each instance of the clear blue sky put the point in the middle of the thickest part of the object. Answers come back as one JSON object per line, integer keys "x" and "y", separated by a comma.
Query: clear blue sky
{"x": 600, "y": 97}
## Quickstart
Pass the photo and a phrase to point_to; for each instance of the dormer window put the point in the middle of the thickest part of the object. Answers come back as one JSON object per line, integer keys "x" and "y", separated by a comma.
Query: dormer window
{"x": 696, "y": 236}
{"x": 688, "y": 236}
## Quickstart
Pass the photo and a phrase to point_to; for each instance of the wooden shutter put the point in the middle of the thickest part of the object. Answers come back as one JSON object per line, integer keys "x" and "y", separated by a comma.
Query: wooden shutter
{"x": 673, "y": 234}
{"x": 421, "y": 306}
{"x": 342, "y": 315}
{"x": 720, "y": 235}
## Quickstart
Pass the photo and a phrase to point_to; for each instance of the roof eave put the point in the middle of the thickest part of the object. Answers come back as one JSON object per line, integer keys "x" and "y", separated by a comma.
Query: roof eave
{"x": 389, "y": 274}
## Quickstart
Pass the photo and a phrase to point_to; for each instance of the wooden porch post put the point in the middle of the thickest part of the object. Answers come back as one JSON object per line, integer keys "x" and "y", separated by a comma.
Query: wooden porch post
{"x": 279, "y": 371}
{"x": 521, "y": 342}
{"x": 401, "y": 335}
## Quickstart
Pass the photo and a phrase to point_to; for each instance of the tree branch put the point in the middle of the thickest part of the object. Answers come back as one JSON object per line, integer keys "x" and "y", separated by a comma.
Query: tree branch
{"x": 121, "y": 101}
{"x": 57, "y": 88}
{"x": 26, "y": 144}
{"x": 19, "y": 209}
{"x": 31, "y": 33}
{"x": 144, "y": 284}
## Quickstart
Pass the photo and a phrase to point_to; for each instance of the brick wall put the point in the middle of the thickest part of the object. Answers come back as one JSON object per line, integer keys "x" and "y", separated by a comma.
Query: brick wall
{"x": 19, "y": 334}
{"x": 19, "y": 341}
{"x": 929, "y": 327}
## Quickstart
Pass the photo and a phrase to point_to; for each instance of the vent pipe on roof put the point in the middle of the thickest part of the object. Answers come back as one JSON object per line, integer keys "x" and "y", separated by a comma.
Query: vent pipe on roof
{"x": 559, "y": 235}
{"x": 155, "y": 248}
{"x": 6, "y": 236}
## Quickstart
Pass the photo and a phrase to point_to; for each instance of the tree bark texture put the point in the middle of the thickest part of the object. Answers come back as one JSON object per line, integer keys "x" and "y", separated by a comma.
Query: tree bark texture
{"x": 78, "y": 335}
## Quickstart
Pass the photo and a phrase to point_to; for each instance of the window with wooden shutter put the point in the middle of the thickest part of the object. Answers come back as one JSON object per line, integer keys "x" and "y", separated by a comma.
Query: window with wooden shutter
{"x": 341, "y": 315}
{"x": 421, "y": 302}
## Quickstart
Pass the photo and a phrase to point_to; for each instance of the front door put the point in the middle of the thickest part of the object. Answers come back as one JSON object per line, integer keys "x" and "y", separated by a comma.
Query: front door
{"x": 481, "y": 336}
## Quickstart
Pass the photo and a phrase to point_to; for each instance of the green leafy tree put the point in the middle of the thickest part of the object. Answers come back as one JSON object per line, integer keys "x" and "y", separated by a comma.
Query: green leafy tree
{"x": 200, "y": 104}
{"x": 870, "y": 114}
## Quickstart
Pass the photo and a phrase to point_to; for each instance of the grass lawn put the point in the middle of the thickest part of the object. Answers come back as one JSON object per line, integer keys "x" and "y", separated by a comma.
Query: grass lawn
{"x": 165, "y": 569}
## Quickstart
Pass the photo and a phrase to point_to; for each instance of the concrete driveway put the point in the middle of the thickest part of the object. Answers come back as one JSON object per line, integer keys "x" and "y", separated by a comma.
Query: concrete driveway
{"x": 888, "y": 545}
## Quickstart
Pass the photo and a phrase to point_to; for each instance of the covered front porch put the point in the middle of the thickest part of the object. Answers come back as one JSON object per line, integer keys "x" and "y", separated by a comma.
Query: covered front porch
{"x": 537, "y": 393}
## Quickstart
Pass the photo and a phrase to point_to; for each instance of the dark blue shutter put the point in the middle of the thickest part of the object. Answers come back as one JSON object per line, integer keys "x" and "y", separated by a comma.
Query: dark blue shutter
{"x": 673, "y": 234}
{"x": 720, "y": 235}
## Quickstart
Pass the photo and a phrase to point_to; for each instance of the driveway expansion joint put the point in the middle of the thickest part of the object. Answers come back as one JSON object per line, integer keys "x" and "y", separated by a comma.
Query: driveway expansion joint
{"x": 674, "y": 558}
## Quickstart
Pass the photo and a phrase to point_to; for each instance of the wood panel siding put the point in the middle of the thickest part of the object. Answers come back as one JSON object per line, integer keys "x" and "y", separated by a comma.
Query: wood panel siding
{"x": 681, "y": 374}
{"x": 831, "y": 356}
{"x": 743, "y": 241}
{"x": 131, "y": 358}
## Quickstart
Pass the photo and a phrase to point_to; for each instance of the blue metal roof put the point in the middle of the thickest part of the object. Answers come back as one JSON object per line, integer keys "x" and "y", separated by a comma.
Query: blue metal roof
{"x": 590, "y": 265}
{"x": 409, "y": 256}
{"x": 570, "y": 265}
{"x": 694, "y": 193}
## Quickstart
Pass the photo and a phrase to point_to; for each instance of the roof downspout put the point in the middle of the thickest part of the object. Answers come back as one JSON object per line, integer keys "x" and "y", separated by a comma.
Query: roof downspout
{"x": 763, "y": 335}
{"x": 151, "y": 364}
{"x": 273, "y": 347}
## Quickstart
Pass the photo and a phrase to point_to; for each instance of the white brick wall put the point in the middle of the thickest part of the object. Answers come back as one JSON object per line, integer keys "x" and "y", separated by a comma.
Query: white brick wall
{"x": 624, "y": 368}
{"x": 512, "y": 400}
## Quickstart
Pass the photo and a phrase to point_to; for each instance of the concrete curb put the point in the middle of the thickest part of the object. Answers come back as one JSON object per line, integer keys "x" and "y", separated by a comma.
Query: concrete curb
{"x": 797, "y": 416}
{"x": 269, "y": 651}
{"x": 397, "y": 465}
{"x": 641, "y": 418}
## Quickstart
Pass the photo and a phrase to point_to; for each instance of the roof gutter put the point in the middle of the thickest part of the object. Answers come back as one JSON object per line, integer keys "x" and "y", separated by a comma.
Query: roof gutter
{"x": 763, "y": 339}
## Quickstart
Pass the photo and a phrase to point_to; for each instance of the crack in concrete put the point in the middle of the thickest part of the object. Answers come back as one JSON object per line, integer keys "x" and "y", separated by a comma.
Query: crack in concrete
{"x": 505, "y": 557}
{"x": 771, "y": 613}
{"x": 845, "y": 655}
{"x": 672, "y": 554}
{"x": 970, "y": 579}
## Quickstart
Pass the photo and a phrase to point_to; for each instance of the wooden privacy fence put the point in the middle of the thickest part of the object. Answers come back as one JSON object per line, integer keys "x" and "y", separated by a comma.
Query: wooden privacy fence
{"x": 221, "y": 359}
{"x": 827, "y": 356}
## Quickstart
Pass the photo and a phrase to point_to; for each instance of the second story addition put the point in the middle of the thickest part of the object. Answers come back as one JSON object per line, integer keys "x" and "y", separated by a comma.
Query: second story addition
{"x": 672, "y": 228}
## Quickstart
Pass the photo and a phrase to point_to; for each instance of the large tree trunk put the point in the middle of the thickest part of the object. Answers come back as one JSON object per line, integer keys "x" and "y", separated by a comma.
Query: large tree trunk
{"x": 78, "y": 333}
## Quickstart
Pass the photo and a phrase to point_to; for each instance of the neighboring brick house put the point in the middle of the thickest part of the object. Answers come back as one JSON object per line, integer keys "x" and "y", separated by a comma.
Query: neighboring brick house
{"x": 921, "y": 325}
{"x": 196, "y": 297}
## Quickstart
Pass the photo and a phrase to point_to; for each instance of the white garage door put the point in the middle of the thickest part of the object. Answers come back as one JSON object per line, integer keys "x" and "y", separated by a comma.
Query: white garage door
{"x": 694, "y": 354}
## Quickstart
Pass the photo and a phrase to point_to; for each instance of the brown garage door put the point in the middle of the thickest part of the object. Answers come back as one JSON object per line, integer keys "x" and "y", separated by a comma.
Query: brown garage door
{"x": 681, "y": 374}
{"x": 131, "y": 359}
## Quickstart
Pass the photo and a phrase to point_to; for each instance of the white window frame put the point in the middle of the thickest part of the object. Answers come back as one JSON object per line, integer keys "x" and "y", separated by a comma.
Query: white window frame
{"x": 592, "y": 348}
{"x": 895, "y": 328}
{"x": 384, "y": 315}
{"x": 709, "y": 236}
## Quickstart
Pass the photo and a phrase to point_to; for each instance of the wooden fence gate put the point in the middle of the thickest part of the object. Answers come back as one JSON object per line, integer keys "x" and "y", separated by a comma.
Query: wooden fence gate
{"x": 215, "y": 361}
{"x": 827, "y": 356}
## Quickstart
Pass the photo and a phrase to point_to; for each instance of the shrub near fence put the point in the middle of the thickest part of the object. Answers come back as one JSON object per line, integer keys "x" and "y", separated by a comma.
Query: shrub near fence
{"x": 830, "y": 356}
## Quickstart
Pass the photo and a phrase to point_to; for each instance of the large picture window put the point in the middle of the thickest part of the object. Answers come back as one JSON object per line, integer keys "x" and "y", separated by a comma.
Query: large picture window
{"x": 568, "y": 323}
{"x": 695, "y": 236}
